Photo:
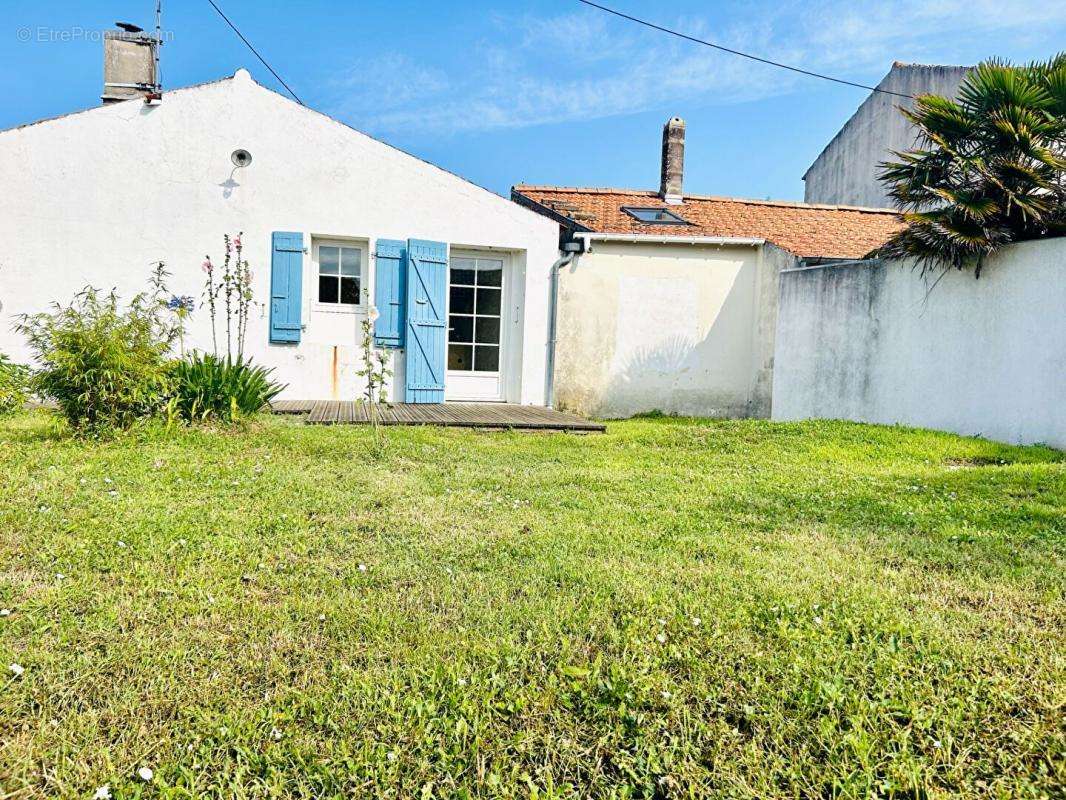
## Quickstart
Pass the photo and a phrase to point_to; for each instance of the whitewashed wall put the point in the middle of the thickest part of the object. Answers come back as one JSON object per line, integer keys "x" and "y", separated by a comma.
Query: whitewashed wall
{"x": 874, "y": 342}
{"x": 678, "y": 328}
{"x": 98, "y": 197}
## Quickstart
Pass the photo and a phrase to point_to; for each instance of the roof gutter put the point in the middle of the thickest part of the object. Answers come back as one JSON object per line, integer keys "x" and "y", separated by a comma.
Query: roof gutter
{"x": 643, "y": 238}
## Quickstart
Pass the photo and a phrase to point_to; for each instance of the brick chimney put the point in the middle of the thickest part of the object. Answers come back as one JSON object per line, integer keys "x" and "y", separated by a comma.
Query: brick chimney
{"x": 673, "y": 165}
{"x": 129, "y": 65}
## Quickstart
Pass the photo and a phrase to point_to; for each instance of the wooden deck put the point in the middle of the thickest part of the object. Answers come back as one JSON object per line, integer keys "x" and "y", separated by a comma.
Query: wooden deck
{"x": 452, "y": 415}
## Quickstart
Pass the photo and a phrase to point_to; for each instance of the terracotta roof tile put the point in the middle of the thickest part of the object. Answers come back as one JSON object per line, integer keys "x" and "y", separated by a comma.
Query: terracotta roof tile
{"x": 808, "y": 231}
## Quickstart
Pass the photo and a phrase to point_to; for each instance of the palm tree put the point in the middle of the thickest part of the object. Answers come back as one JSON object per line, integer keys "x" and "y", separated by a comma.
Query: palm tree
{"x": 988, "y": 168}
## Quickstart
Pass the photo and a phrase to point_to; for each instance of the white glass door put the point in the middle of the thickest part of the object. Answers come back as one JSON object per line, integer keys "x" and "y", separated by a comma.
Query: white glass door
{"x": 475, "y": 329}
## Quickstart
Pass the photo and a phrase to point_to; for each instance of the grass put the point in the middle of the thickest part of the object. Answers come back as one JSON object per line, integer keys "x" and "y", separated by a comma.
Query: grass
{"x": 676, "y": 608}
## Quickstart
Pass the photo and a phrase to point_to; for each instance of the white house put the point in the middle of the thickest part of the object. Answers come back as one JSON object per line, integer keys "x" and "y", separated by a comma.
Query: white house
{"x": 332, "y": 220}
{"x": 668, "y": 301}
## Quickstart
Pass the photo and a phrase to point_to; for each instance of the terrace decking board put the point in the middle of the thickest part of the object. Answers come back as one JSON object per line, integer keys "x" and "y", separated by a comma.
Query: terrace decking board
{"x": 458, "y": 415}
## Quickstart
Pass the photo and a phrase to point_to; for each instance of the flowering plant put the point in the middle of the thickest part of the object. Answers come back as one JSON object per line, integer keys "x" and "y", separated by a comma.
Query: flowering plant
{"x": 230, "y": 286}
{"x": 182, "y": 307}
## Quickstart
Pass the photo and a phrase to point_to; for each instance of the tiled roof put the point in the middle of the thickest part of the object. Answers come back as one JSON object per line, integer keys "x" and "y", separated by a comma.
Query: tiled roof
{"x": 808, "y": 231}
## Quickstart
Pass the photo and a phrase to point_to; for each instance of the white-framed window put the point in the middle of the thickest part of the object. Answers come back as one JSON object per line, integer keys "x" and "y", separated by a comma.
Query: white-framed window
{"x": 339, "y": 275}
{"x": 475, "y": 314}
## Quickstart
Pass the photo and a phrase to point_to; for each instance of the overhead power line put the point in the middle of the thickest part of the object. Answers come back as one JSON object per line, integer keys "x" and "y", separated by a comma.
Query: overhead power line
{"x": 740, "y": 53}
{"x": 256, "y": 52}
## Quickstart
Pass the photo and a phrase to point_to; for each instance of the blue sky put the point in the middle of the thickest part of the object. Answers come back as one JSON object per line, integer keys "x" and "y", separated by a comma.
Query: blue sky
{"x": 542, "y": 91}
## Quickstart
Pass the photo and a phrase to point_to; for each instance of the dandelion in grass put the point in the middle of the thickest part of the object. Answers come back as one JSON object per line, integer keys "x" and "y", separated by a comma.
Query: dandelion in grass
{"x": 102, "y": 792}
{"x": 275, "y": 734}
{"x": 145, "y": 774}
{"x": 362, "y": 567}
{"x": 696, "y": 622}
{"x": 665, "y": 694}
{"x": 5, "y": 612}
{"x": 661, "y": 638}
{"x": 17, "y": 670}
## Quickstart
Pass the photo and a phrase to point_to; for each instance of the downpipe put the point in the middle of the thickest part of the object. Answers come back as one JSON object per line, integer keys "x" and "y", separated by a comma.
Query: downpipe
{"x": 572, "y": 249}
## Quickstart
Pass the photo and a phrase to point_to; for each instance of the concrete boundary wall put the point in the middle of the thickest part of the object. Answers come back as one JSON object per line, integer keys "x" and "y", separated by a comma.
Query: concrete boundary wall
{"x": 874, "y": 342}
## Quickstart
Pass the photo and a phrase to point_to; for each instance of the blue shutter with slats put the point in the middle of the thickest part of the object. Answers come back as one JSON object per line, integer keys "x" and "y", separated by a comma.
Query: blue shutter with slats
{"x": 427, "y": 289}
{"x": 390, "y": 292}
{"x": 286, "y": 286}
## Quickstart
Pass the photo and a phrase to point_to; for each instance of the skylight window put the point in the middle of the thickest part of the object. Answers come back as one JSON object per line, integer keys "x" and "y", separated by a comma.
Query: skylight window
{"x": 654, "y": 216}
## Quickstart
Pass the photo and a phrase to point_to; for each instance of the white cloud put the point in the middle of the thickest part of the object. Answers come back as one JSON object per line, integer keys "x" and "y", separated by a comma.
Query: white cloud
{"x": 586, "y": 65}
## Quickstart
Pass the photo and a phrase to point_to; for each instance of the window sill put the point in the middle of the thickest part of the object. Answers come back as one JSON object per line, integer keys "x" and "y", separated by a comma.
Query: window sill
{"x": 337, "y": 308}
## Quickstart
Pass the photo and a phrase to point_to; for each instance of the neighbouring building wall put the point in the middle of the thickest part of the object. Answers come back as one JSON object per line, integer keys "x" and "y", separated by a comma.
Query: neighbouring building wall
{"x": 846, "y": 171}
{"x": 676, "y": 328}
{"x": 874, "y": 342}
{"x": 99, "y": 197}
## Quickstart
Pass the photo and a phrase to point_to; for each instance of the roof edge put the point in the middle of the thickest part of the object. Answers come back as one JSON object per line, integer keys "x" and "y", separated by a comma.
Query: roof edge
{"x": 524, "y": 187}
{"x": 100, "y": 106}
{"x": 651, "y": 238}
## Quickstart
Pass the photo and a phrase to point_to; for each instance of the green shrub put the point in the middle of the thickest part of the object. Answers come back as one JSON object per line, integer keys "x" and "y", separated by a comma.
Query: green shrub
{"x": 208, "y": 387}
{"x": 14, "y": 385}
{"x": 106, "y": 367}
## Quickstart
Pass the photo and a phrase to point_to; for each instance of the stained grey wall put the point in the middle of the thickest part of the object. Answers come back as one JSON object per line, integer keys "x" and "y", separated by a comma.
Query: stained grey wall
{"x": 875, "y": 342}
{"x": 846, "y": 171}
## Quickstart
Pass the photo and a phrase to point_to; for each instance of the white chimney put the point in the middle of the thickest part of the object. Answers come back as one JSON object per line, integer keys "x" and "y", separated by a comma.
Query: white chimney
{"x": 673, "y": 163}
{"x": 129, "y": 65}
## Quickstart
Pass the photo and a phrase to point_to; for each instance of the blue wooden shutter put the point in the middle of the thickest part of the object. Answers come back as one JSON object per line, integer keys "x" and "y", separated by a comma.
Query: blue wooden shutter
{"x": 390, "y": 292}
{"x": 427, "y": 288}
{"x": 286, "y": 286}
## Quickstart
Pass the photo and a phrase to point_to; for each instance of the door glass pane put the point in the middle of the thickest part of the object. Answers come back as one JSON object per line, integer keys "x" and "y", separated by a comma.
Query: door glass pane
{"x": 463, "y": 271}
{"x": 488, "y": 301}
{"x": 327, "y": 289}
{"x": 489, "y": 272}
{"x": 460, "y": 357}
{"x": 328, "y": 260}
{"x": 462, "y": 329}
{"x": 487, "y": 359}
{"x": 488, "y": 330}
{"x": 462, "y": 300}
{"x": 349, "y": 290}
{"x": 349, "y": 261}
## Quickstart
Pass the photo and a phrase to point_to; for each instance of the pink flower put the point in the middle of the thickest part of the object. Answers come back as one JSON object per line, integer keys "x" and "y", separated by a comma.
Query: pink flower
{"x": 207, "y": 265}
{"x": 237, "y": 241}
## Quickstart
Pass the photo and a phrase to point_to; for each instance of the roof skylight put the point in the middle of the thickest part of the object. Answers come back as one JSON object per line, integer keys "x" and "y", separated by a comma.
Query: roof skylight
{"x": 654, "y": 216}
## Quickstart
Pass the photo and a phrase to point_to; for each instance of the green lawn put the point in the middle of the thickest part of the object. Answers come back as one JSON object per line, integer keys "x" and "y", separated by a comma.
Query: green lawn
{"x": 676, "y": 608}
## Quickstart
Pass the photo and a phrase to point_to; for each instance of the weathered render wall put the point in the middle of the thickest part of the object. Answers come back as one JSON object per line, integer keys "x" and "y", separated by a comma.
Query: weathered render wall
{"x": 678, "y": 328}
{"x": 98, "y": 197}
{"x": 846, "y": 171}
{"x": 874, "y": 342}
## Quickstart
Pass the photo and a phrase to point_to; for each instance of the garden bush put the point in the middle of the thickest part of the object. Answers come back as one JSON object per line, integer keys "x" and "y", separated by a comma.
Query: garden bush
{"x": 14, "y": 385}
{"x": 105, "y": 366}
{"x": 207, "y": 387}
